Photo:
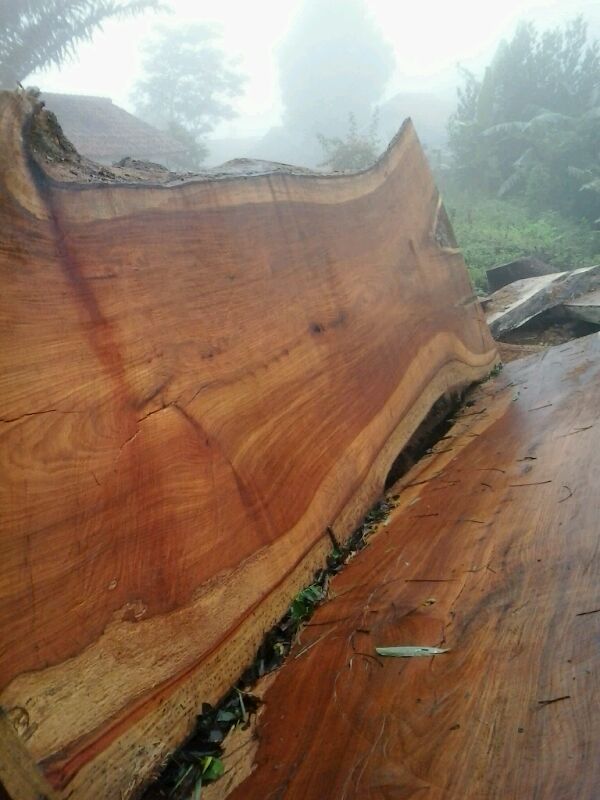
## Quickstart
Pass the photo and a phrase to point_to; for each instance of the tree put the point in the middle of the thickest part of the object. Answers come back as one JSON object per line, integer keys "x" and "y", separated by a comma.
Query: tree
{"x": 531, "y": 125}
{"x": 334, "y": 62}
{"x": 188, "y": 83}
{"x": 37, "y": 33}
{"x": 195, "y": 150}
{"x": 355, "y": 151}
{"x": 558, "y": 161}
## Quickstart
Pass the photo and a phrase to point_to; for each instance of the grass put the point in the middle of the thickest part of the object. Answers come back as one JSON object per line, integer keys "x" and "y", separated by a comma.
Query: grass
{"x": 491, "y": 231}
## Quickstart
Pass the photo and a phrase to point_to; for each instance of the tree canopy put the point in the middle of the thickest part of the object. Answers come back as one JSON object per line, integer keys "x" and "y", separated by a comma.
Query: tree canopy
{"x": 531, "y": 126}
{"x": 187, "y": 84}
{"x": 35, "y": 34}
{"x": 334, "y": 62}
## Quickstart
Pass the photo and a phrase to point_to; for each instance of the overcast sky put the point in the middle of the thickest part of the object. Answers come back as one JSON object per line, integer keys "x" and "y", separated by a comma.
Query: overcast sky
{"x": 429, "y": 38}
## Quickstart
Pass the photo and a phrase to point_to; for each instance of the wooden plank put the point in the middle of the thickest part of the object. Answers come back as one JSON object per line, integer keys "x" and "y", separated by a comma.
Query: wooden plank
{"x": 517, "y": 303}
{"x": 519, "y": 269}
{"x": 492, "y": 551}
{"x": 586, "y": 307}
{"x": 197, "y": 380}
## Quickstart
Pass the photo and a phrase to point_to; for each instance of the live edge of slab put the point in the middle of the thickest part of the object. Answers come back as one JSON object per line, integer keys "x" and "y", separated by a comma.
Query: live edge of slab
{"x": 492, "y": 551}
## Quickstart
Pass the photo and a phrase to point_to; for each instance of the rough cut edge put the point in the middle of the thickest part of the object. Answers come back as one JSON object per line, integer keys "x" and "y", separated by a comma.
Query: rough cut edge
{"x": 585, "y": 308}
{"x": 61, "y": 162}
{"x": 513, "y": 352}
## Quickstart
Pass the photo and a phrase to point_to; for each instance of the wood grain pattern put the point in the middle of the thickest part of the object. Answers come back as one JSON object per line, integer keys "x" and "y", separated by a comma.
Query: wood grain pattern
{"x": 492, "y": 551}
{"x": 196, "y": 380}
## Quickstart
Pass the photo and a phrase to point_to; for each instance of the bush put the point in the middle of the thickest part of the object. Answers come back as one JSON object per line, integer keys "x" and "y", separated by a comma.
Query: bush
{"x": 356, "y": 151}
{"x": 492, "y": 231}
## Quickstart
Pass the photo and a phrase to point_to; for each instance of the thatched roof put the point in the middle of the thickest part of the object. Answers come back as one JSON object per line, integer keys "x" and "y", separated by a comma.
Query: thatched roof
{"x": 104, "y": 132}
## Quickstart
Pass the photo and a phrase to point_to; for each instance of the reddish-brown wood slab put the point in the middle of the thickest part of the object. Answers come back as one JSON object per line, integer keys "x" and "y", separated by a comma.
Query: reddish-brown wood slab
{"x": 196, "y": 380}
{"x": 492, "y": 551}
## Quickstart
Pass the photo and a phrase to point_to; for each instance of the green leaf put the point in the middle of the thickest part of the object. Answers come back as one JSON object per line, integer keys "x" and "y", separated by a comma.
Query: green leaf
{"x": 304, "y": 602}
{"x": 212, "y": 769}
{"x": 197, "y": 790}
{"x": 410, "y": 652}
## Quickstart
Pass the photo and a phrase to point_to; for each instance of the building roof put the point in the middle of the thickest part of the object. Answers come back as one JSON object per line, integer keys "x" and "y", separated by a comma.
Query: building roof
{"x": 103, "y": 131}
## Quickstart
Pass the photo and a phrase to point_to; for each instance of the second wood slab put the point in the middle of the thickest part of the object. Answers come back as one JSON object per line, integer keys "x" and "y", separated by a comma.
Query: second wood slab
{"x": 492, "y": 552}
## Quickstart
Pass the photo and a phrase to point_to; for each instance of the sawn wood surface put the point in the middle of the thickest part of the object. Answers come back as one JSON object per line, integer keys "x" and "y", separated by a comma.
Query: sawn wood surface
{"x": 196, "y": 381}
{"x": 493, "y": 551}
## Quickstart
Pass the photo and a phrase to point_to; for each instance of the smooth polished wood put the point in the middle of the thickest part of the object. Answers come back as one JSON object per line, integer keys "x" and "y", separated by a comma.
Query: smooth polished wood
{"x": 492, "y": 551}
{"x": 197, "y": 379}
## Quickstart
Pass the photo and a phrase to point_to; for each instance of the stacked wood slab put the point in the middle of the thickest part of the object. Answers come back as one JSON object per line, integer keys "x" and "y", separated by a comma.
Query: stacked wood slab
{"x": 198, "y": 379}
{"x": 577, "y": 291}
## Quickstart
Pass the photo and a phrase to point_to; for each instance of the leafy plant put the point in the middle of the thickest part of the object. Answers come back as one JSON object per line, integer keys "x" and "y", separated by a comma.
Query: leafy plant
{"x": 212, "y": 768}
{"x": 558, "y": 158}
{"x": 198, "y": 761}
{"x": 531, "y": 123}
{"x": 37, "y": 33}
{"x": 355, "y": 151}
{"x": 492, "y": 231}
{"x": 305, "y": 601}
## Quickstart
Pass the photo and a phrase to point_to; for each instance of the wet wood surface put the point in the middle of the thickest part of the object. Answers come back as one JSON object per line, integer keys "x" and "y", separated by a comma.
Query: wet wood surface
{"x": 196, "y": 381}
{"x": 492, "y": 551}
{"x": 513, "y": 305}
{"x": 586, "y": 307}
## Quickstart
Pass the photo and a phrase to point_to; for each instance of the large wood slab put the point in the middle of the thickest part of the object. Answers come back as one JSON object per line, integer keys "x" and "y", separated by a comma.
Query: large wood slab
{"x": 196, "y": 381}
{"x": 493, "y": 551}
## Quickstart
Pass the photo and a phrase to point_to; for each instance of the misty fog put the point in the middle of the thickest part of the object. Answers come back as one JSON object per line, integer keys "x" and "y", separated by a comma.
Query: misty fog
{"x": 291, "y": 53}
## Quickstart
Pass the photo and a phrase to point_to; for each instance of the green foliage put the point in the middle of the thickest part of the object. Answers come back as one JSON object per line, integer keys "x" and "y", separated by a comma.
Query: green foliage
{"x": 355, "y": 151}
{"x": 530, "y": 128}
{"x": 187, "y": 85}
{"x": 305, "y": 601}
{"x": 333, "y": 61}
{"x": 37, "y": 33}
{"x": 558, "y": 158}
{"x": 491, "y": 231}
{"x": 555, "y": 70}
{"x": 212, "y": 768}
